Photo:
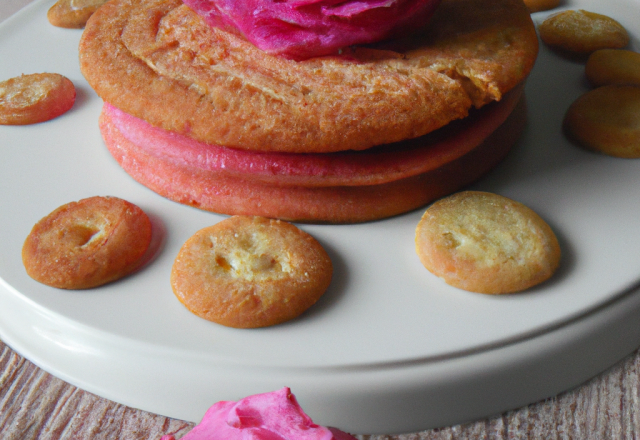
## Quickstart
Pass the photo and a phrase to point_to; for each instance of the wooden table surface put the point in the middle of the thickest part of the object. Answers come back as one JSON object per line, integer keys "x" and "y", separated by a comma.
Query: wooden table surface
{"x": 36, "y": 405}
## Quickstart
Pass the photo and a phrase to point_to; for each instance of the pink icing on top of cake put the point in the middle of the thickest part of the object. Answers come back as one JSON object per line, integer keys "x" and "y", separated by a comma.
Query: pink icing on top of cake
{"x": 269, "y": 416}
{"x": 300, "y": 29}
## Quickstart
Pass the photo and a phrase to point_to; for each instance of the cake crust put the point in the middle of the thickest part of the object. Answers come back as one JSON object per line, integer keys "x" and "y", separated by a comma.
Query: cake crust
{"x": 159, "y": 61}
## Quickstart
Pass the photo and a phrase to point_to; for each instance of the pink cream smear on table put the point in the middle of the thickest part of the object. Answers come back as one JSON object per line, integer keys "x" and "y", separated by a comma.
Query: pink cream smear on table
{"x": 300, "y": 29}
{"x": 268, "y": 416}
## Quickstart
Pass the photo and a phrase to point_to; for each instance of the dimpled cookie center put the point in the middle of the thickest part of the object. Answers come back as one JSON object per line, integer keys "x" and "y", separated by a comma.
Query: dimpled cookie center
{"x": 23, "y": 95}
{"x": 491, "y": 240}
{"x": 76, "y": 5}
{"x": 82, "y": 235}
{"x": 252, "y": 257}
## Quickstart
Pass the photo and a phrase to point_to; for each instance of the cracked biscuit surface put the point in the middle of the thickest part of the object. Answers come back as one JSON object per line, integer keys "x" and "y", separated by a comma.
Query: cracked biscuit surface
{"x": 486, "y": 243}
{"x": 34, "y": 98}
{"x": 72, "y": 14}
{"x": 159, "y": 61}
{"x": 87, "y": 243}
{"x": 249, "y": 272}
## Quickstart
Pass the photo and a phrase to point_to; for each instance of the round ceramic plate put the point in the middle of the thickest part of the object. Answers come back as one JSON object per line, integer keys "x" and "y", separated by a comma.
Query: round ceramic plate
{"x": 133, "y": 342}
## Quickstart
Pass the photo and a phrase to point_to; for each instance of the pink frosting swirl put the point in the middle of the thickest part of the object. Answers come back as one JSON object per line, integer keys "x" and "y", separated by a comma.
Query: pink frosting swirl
{"x": 299, "y": 29}
{"x": 268, "y": 416}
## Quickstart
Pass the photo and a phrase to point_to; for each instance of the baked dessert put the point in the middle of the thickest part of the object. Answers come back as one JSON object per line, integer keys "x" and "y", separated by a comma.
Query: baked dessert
{"x": 336, "y": 187}
{"x": 160, "y": 62}
{"x": 607, "y": 120}
{"x": 582, "y": 32}
{"x": 486, "y": 243}
{"x": 33, "y": 98}
{"x": 249, "y": 272}
{"x": 613, "y": 66}
{"x": 88, "y": 243}
{"x": 541, "y": 5}
{"x": 72, "y": 14}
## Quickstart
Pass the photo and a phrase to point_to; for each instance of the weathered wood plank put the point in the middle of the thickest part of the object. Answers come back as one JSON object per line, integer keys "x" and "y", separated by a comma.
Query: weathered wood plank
{"x": 36, "y": 405}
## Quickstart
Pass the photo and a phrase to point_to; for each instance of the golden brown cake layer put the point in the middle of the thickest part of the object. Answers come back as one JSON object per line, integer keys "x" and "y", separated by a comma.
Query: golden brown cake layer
{"x": 159, "y": 61}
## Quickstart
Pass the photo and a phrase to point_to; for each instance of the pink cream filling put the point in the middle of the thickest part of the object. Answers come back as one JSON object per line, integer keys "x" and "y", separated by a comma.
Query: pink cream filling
{"x": 269, "y": 416}
{"x": 350, "y": 168}
{"x": 300, "y": 29}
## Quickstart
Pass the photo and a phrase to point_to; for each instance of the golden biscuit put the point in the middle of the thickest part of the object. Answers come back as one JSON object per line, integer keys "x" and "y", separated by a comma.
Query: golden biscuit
{"x": 72, "y": 14}
{"x": 249, "y": 272}
{"x": 583, "y": 32}
{"x": 486, "y": 243}
{"x": 38, "y": 97}
{"x": 541, "y": 5}
{"x": 159, "y": 61}
{"x": 607, "y": 120}
{"x": 87, "y": 243}
{"x": 613, "y": 66}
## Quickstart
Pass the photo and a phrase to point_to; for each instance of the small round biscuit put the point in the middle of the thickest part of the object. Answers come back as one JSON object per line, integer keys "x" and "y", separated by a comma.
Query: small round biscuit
{"x": 87, "y": 243}
{"x": 613, "y": 66}
{"x": 486, "y": 243}
{"x": 607, "y": 120}
{"x": 72, "y": 14}
{"x": 582, "y": 32}
{"x": 38, "y": 97}
{"x": 249, "y": 272}
{"x": 541, "y": 5}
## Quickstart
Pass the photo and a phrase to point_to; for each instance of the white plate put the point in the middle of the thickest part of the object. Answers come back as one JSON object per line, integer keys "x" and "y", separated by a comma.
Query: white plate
{"x": 383, "y": 308}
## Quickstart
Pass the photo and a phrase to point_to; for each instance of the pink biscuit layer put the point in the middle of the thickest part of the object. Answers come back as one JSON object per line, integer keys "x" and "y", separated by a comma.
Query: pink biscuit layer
{"x": 306, "y": 28}
{"x": 269, "y": 416}
{"x": 228, "y": 194}
{"x": 370, "y": 167}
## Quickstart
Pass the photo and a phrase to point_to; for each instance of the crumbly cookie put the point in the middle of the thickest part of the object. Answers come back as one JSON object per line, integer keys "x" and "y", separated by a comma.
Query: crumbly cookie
{"x": 72, "y": 14}
{"x": 33, "y": 98}
{"x": 444, "y": 166}
{"x": 607, "y": 120}
{"x": 249, "y": 272}
{"x": 178, "y": 73}
{"x": 613, "y": 66}
{"x": 486, "y": 243}
{"x": 87, "y": 243}
{"x": 583, "y": 32}
{"x": 541, "y": 5}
